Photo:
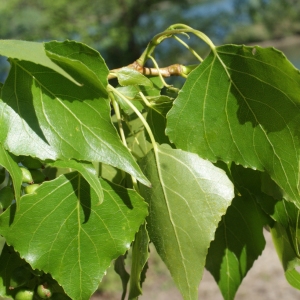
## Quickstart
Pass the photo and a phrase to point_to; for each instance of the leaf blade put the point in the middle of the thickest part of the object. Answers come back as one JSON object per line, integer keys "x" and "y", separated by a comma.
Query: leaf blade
{"x": 242, "y": 105}
{"x": 65, "y": 121}
{"x": 140, "y": 255}
{"x": 239, "y": 238}
{"x": 181, "y": 205}
{"x": 129, "y": 76}
{"x": 80, "y": 238}
{"x": 87, "y": 171}
{"x": 30, "y": 51}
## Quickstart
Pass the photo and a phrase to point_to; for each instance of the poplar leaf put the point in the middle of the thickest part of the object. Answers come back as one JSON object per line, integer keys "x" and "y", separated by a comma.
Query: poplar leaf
{"x": 187, "y": 199}
{"x": 86, "y": 170}
{"x": 62, "y": 230}
{"x": 130, "y": 76}
{"x": 242, "y": 105}
{"x": 33, "y": 52}
{"x": 140, "y": 255}
{"x": 86, "y": 61}
{"x": 49, "y": 117}
{"x": 239, "y": 239}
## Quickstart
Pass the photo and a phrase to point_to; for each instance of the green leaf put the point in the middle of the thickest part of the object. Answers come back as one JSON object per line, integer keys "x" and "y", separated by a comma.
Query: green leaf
{"x": 30, "y": 51}
{"x": 121, "y": 271}
{"x": 14, "y": 170}
{"x": 129, "y": 76}
{"x": 157, "y": 121}
{"x": 132, "y": 93}
{"x": 293, "y": 276}
{"x": 136, "y": 137}
{"x": 129, "y": 91}
{"x": 6, "y": 197}
{"x": 281, "y": 211}
{"x": 74, "y": 120}
{"x": 239, "y": 239}
{"x": 81, "y": 58}
{"x": 112, "y": 174}
{"x": 269, "y": 187}
{"x": 284, "y": 229}
{"x": 187, "y": 199}
{"x": 20, "y": 131}
{"x": 286, "y": 253}
{"x": 125, "y": 90}
{"x": 9, "y": 261}
{"x": 242, "y": 105}
{"x": 62, "y": 230}
{"x": 86, "y": 170}
{"x": 140, "y": 255}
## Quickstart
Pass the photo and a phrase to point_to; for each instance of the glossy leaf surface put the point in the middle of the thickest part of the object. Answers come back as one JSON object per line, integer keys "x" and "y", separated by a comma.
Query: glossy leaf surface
{"x": 20, "y": 131}
{"x": 187, "y": 199}
{"x": 62, "y": 230}
{"x": 81, "y": 59}
{"x": 30, "y": 51}
{"x": 242, "y": 105}
{"x": 61, "y": 119}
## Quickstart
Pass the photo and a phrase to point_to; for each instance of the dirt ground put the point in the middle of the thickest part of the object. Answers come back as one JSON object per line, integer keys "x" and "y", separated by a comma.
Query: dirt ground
{"x": 265, "y": 281}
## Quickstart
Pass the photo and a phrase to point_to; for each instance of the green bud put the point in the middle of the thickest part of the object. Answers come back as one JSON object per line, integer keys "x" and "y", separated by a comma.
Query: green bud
{"x": 26, "y": 175}
{"x": 24, "y": 294}
{"x": 30, "y": 189}
{"x": 44, "y": 291}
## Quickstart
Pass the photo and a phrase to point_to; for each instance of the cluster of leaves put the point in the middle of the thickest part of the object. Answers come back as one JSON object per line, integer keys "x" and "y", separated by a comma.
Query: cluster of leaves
{"x": 199, "y": 172}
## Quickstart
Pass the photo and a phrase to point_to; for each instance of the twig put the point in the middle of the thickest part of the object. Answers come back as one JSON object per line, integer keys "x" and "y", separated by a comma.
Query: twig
{"x": 172, "y": 70}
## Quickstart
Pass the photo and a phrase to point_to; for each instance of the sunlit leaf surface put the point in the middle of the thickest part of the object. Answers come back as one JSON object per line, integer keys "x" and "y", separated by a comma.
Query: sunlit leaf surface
{"x": 30, "y": 51}
{"x": 187, "y": 199}
{"x": 63, "y": 230}
{"x": 46, "y": 115}
{"x": 242, "y": 104}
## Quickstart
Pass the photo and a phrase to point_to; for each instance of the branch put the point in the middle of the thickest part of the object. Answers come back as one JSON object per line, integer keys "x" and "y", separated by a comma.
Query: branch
{"x": 172, "y": 70}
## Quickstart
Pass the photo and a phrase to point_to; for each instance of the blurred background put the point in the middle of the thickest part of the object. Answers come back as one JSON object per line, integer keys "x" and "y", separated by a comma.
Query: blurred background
{"x": 120, "y": 30}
